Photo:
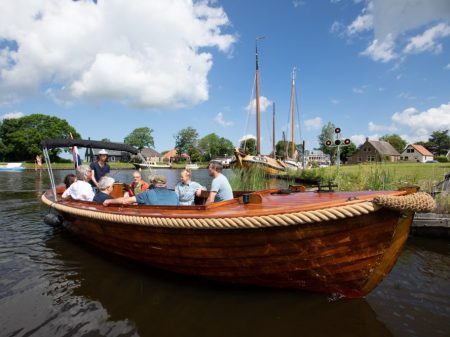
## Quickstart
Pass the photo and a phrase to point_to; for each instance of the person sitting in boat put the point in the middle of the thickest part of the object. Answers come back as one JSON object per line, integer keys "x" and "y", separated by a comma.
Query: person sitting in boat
{"x": 100, "y": 167}
{"x": 159, "y": 195}
{"x": 105, "y": 188}
{"x": 81, "y": 189}
{"x": 138, "y": 185}
{"x": 220, "y": 187}
{"x": 187, "y": 189}
{"x": 69, "y": 179}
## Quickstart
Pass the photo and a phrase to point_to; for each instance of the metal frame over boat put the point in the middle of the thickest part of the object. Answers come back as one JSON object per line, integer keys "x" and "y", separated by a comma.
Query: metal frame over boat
{"x": 333, "y": 242}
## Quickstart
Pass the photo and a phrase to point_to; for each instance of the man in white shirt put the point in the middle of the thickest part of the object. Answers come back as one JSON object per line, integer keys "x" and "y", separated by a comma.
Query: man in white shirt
{"x": 81, "y": 189}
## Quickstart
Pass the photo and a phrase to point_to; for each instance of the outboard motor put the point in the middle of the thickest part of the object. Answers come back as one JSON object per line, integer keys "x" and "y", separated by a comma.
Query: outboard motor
{"x": 53, "y": 219}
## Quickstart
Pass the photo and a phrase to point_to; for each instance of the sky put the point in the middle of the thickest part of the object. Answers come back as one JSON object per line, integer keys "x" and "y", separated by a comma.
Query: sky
{"x": 370, "y": 67}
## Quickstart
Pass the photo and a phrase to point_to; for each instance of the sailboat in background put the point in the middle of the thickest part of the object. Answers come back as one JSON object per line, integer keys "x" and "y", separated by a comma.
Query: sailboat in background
{"x": 292, "y": 161}
{"x": 270, "y": 165}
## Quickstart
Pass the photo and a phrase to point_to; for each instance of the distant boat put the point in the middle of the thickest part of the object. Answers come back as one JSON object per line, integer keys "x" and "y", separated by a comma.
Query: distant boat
{"x": 244, "y": 160}
{"x": 12, "y": 167}
{"x": 151, "y": 165}
{"x": 192, "y": 167}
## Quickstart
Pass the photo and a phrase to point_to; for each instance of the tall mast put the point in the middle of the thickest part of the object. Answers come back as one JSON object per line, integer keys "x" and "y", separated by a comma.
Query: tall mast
{"x": 274, "y": 150}
{"x": 292, "y": 111}
{"x": 258, "y": 113}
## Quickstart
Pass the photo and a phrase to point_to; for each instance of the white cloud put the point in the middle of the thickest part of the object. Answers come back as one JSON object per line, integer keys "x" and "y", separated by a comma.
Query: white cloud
{"x": 359, "y": 90}
{"x": 246, "y": 137}
{"x": 298, "y": 3}
{"x": 427, "y": 40}
{"x": 264, "y": 103}
{"x": 381, "y": 50}
{"x": 219, "y": 119}
{"x": 406, "y": 95}
{"x": 447, "y": 66}
{"x": 335, "y": 101}
{"x": 423, "y": 123}
{"x": 360, "y": 24}
{"x": 358, "y": 139}
{"x": 12, "y": 115}
{"x": 378, "y": 127}
{"x": 313, "y": 123}
{"x": 156, "y": 57}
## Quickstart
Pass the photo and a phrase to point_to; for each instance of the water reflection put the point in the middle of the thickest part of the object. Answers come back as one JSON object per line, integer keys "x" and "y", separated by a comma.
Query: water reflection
{"x": 157, "y": 303}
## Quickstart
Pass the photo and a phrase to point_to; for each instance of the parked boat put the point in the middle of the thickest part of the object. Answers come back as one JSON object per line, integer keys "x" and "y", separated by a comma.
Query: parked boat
{"x": 151, "y": 165}
{"x": 244, "y": 160}
{"x": 192, "y": 167}
{"x": 333, "y": 242}
{"x": 12, "y": 167}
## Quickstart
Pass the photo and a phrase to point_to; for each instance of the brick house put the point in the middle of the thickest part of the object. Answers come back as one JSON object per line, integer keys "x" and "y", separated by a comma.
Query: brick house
{"x": 416, "y": 153}
{"x": 374, "y": 151}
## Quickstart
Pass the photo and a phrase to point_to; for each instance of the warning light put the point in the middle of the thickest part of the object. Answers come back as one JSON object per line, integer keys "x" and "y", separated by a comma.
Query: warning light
{"x": 328, "y": 143}
{"x": 347, "y": 141}
{"x": 337, "y": 142}
{"x": 337, "y": 130}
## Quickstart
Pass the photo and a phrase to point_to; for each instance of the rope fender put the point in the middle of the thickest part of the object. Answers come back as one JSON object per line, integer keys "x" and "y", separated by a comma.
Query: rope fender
{"x": 417, "y": 202}
{"x": 274, "y": 220}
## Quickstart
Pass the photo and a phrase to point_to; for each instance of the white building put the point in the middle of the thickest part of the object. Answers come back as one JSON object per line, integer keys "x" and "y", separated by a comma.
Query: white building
{"x": 416, "y": 153}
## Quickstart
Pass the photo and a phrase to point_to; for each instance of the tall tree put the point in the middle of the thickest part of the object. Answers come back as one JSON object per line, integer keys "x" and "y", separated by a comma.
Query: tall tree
{"x": 21, "y": 137}
{"x": 327, "y": 133}
{"x": 212, "y": 146}
{"x": 347, "y": 151}
{"x": 140, "y": 138}
{"x": 282, "y": 145}
{"x": 249, "y": 145}
{"x": 439, "y": 142}
{"x": 186, "y": 141}
{"x": 396, "y": 141}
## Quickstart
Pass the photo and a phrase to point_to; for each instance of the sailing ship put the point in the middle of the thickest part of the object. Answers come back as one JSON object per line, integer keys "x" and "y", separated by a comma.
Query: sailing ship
{"x": 291, "y": 161}
{"x": 271, "y": 166}
{"x": 323, "y": 241}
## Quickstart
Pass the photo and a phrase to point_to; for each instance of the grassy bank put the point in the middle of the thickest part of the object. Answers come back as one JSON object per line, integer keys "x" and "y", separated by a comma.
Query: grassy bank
{"x": 70, "y": 166}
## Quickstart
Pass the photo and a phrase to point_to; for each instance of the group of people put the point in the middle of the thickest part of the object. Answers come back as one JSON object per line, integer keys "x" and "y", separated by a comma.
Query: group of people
{"x": 92, "y": 183}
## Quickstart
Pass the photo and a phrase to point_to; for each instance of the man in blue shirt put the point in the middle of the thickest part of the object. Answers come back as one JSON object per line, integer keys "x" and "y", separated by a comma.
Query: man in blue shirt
{"x": 220, "y": 187}
{"x": 100, "y": 167}
{"x": 159, "y": 195}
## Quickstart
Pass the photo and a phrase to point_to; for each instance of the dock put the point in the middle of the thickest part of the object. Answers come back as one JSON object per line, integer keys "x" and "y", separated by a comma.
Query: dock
{"x": 431, "y": 225}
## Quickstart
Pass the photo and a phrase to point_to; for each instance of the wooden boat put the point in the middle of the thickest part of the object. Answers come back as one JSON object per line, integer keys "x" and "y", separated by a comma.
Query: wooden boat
{"x": 17, "y": 167}
{"x": 333, "y": 242}
{"x": 151, "y": 165}
{"x": 244, "y": 160}
{"x": 192, "y": 166}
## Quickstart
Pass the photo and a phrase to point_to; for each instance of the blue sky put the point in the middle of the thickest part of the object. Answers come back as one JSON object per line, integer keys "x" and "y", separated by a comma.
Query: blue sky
{"x": 370, "y": 67}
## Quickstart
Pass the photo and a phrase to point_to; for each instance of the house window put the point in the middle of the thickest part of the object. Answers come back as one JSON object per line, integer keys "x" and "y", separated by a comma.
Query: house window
{"x": 410, "y": 151}
{"x": 359, "y": 159}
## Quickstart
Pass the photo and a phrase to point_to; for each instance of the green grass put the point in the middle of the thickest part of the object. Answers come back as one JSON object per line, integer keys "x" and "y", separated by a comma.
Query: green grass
{"x": 253, "y": 179}
{"x": 70, "y": 166}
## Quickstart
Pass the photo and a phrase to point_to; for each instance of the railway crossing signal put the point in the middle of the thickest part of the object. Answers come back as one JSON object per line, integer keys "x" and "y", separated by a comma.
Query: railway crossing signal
{"x": 337, "y": 143}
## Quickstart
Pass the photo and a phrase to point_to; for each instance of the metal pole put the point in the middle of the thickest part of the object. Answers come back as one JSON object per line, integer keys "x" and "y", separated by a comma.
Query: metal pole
{"x": 50, "y": 173}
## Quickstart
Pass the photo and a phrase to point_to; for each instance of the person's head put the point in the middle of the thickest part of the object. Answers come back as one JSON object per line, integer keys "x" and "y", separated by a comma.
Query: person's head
{"x": 185, "y": 176}
{"x": 84, "y": 172}
{"x": 214, "y": 168}
{"x": 137, "y": 177}
{"x": 69, "y": 179}
{"x": 102, "y": 155}
{"x": 159, "y": 181}
{"x": 105, "y": 184}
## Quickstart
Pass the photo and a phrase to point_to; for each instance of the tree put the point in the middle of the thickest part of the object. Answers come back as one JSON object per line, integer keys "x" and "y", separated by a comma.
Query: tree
{"x": 212, "y": 146}
{"x": 439, "y": 142}
{"x": 21, "y": 137}
{"x": 327, "y": 134}
{"x": 140, "y": 138}
{"x": 186, "y": 141}
{"x": 249, "y": 145}
{"x": 281, "y": 146}
{"x": 396, "y": 141}
{"x": 347, "y": 151}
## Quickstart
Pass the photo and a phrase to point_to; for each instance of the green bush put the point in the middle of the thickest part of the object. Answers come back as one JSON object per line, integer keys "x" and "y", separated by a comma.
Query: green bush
{"x": 441, "y": 159}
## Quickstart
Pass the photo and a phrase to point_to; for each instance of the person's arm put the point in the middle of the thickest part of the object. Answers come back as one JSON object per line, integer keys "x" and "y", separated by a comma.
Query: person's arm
{"x": 121, "y": 201}
{"x": 93, "y": 175}
{"x": 212, "y": 196}
{"x": 199, "y": 190}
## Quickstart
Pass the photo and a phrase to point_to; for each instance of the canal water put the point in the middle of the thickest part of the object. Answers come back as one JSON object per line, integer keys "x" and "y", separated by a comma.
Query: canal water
{"x": 53, "y": 285}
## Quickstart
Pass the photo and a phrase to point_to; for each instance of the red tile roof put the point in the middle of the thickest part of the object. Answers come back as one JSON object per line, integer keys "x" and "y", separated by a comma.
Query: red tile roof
{"x": 423, "y": 151}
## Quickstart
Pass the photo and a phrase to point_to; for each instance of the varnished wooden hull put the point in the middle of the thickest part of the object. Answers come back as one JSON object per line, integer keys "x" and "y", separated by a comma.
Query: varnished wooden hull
{"x": 348, "y": 256}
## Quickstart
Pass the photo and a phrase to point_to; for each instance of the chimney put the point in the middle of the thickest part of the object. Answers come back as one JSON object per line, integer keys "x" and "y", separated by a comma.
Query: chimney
{"x": 367, "y": 139}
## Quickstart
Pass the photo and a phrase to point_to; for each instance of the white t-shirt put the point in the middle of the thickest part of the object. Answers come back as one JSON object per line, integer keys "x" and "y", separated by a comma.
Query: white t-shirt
{"x": 80, "y": 190}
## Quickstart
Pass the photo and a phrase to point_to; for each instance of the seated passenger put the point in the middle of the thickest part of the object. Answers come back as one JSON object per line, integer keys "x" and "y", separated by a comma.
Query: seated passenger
{"x": 69, "y": 179}
{"x": 105, "y": 188}
{"x": 220, "y": 187}
{"x": 138, "y": 185}
{"x": 187, "y": 189}
{"x": 159, "y": 195}
{"x": 81, "y": 189}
